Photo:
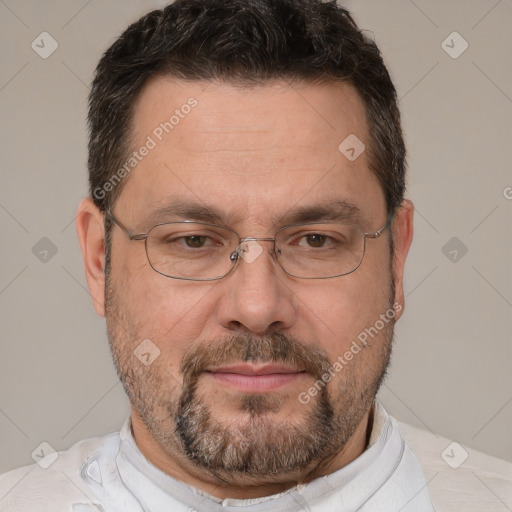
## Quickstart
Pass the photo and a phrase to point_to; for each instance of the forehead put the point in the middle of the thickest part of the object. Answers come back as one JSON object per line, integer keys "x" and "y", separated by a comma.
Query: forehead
{"x": 256, "y": 107}
{"x": 226, "y": 109}
{"x": 249, "y": 151}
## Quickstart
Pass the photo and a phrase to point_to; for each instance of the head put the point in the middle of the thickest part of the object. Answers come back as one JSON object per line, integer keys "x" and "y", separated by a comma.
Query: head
{"x": 247, "y": 115}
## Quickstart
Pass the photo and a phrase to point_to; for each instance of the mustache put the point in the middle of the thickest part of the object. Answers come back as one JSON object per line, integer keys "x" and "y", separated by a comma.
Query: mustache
{"x": 273, "y": 348}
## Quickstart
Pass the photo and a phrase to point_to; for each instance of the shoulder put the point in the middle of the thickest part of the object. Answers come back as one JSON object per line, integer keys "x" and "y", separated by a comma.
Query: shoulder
{"x": 53, "y": 484}
{"x": 460, "y": 478}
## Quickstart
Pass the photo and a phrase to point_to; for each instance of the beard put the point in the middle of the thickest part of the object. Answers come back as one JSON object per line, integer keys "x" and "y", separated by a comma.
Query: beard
{"x": 256, "y": 444}
{"x": 262, "y": 446}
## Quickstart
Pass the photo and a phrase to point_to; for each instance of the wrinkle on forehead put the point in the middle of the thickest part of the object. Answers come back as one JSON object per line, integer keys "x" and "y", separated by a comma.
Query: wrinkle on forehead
{"x": 273, "y": 115}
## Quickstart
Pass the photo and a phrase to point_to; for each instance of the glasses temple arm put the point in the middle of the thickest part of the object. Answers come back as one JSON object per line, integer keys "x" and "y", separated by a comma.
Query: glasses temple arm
{"x": 376, "y": 234}
{"x": 130, "y": 234}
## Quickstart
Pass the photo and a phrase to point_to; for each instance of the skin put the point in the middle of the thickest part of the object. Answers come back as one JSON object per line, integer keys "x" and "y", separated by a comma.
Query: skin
{"x": 255, "y": 155}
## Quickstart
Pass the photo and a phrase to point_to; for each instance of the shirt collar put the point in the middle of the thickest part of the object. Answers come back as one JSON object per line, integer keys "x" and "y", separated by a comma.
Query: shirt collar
{"x": 381, "y": 433}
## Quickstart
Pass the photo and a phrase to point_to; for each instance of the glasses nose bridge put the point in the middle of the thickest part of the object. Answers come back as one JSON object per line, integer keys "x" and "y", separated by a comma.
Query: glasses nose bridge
{"x": 236, "y": 254}
{"x": 254, "y": 239}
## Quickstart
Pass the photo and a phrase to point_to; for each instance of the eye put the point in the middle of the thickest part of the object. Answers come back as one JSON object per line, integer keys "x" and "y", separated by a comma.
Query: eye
{"x": 182, "y": 239}
{"x": 195, "y": 241}
{"x": 183, "y": 242}
{"x": 316, "y": 240}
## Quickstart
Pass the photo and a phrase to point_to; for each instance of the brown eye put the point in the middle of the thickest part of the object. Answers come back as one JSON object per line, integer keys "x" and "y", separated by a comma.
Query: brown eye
{"x": 316, "y": 240}
{"x": 195, "y": 242}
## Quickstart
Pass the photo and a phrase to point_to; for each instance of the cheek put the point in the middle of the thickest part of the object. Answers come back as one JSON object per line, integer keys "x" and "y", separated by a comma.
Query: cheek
{"x": 152, "y": 299}
{"x": 335, "y": 312}
{"x": 169, "y": 312}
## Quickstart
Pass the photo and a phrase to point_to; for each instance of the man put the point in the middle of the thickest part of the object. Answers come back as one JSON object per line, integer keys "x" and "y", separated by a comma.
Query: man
{"x": 245, "y": 240}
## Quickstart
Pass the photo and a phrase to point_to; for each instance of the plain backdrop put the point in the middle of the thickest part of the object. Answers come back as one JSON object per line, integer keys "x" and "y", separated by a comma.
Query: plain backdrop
{"x": 451, "y": 370}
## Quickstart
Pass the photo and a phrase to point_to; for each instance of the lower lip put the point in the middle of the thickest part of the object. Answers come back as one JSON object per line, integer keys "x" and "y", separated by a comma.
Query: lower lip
{"x": 255, "y": 383}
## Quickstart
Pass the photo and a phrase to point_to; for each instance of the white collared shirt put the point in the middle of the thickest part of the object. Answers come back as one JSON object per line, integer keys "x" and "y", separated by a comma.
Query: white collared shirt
{"x": 110, "y": 474}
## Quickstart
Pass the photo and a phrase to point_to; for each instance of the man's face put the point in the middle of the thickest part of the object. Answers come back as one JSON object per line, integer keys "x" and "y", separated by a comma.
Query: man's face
{"x": 237, "y": 354}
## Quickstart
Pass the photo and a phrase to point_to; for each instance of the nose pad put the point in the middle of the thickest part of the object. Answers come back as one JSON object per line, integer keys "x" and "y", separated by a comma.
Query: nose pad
{"x": 250, "y": 250}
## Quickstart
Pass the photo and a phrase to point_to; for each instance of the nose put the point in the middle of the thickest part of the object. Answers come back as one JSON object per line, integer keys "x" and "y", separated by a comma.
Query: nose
{"x": 255, "y": 297}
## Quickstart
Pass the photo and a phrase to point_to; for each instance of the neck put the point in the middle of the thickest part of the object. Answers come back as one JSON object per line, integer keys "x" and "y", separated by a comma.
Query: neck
{"x": 179, "y": 467}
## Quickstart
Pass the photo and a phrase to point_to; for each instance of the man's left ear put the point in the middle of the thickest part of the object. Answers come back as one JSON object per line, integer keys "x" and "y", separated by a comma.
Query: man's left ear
{"x": 403, "y": 231}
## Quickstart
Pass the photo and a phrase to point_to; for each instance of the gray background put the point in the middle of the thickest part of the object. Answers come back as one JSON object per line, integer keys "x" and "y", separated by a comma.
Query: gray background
{"x": 451, "y": 370}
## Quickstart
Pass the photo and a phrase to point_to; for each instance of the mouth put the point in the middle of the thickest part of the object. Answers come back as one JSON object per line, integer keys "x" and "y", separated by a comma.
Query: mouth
{"x": 254, "y": 378}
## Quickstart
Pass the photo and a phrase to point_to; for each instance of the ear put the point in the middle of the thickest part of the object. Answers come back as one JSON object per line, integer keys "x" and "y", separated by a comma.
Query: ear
{"x": 91, "y": 235}
{"x": 403, "y": 231}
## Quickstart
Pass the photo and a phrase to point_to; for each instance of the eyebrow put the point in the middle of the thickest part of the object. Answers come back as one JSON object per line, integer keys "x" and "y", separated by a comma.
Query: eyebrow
{"x": 330, "y": 210}
{"x": 181, "y": 209}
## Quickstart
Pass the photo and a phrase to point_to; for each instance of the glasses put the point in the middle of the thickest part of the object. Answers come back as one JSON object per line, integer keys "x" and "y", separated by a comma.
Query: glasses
{"x": 197, "y": 251}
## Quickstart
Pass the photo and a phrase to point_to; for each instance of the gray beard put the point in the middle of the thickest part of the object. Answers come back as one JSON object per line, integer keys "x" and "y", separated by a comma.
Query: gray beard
{"x": 262, "y": 447}
{"x": 259, "y": 448}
